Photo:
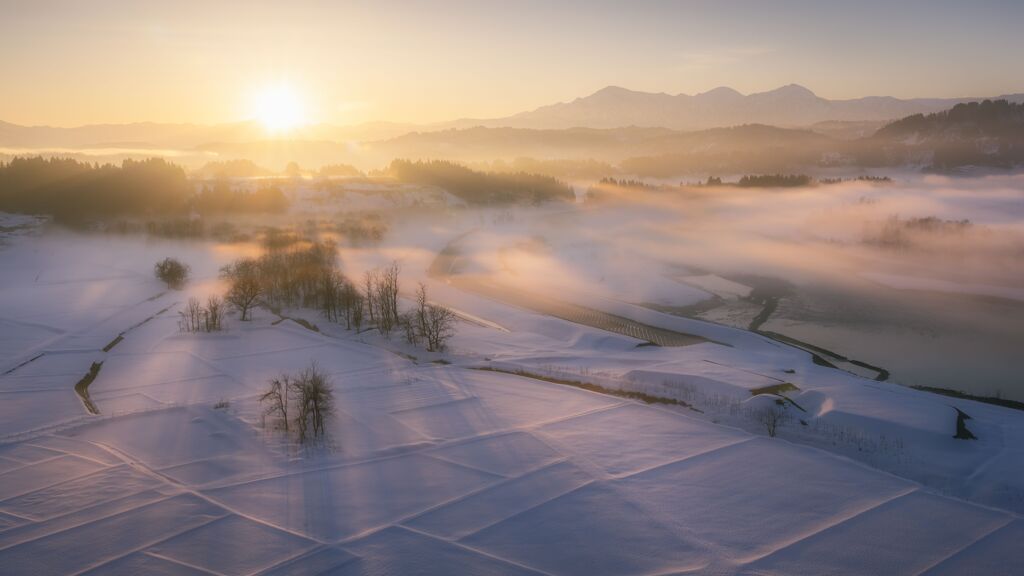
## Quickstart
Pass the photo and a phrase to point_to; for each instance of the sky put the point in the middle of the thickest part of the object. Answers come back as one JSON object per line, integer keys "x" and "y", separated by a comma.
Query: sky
{"x": 68, "y": 62}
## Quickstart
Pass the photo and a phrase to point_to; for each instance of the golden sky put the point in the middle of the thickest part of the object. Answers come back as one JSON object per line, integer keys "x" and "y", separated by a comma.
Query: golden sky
{"x": 70, "y": 62}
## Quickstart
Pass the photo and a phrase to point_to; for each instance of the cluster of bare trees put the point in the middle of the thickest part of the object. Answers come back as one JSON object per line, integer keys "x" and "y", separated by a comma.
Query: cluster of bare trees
{"x": 289, "y": 274}
{"x": 292, "y": 276}
{"x": 199, "y": 318}
{"x": 301, "y": 403}
{"x": 307, "y": 274}
{"x": 428, "y": 324}
{"x": 340, "y": 300}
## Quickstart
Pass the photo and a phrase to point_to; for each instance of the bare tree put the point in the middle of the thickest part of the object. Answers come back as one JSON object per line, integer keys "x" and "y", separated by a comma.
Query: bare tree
{"x": 389, "y": 290}
{"x": 385, "y": 322}
{"x": 384, "y": 289}
{"x": 410, "y": 326}
{"x": 357, "y": 311}
{"x": 276, "y": 398}
{"x": 332, "y": 288}
{"x": 421, "y": 308}
{"x": 440, "y": 327}
{"x": 213, "y": 314}
{"x": 314, "y": 401}
{"x": 771, "y": 417}
{"x": 246, "y": 285}
{"x": 369, "y": 286}
{"x": 350, "y": 300}
{"x": 436, "y": 324}
{"x": 190, "y": 319}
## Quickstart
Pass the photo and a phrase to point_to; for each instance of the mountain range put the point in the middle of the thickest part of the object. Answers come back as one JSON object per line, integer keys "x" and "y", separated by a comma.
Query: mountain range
{"x": 790, "y": 106}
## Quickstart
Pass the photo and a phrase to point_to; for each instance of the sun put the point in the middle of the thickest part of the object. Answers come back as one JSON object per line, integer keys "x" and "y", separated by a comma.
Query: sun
{"x": 278, "y": 107}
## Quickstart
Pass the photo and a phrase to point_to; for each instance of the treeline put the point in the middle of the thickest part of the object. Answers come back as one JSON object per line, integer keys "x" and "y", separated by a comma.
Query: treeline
{"x": 775, "y": 181}
{"x": 988, "y": 133}
{"x": 480, "y": 187}
{"x": 988, "y": 118}
{"x": 175, "y": 227}
{"x": 608, "y": 187}
{"x": 242, "y": 168}
{"x": 238, "y": 168}
{"x": 624, "y": 183}
{"x": 788, "y": 180}
{"x": 222, "y": 198}
{"x": 872, "y": 179}
{"x": 608, "y": 184}
{"x": 900, "y": 233}
{"x": 567, "y": 168}
{"x": 338, "y": 171}
{"x": 75, "y": 192}
{"x": 763, "y": 181}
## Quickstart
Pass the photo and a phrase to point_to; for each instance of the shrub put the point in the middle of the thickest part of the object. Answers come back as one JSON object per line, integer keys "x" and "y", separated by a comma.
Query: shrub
{"x": 172, "y": 272}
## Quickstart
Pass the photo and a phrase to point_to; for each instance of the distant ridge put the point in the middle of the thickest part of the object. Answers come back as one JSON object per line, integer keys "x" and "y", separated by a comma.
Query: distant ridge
{"x": 788, "y": 106}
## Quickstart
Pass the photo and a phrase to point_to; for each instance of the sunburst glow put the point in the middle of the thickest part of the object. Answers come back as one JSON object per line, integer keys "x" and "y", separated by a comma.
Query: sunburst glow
{"x": 278, "y": 107}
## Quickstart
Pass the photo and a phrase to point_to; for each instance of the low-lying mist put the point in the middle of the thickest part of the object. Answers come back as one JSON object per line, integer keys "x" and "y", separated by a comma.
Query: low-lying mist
{"x": 921, "y": 276}
{"x": 968, "y": 231}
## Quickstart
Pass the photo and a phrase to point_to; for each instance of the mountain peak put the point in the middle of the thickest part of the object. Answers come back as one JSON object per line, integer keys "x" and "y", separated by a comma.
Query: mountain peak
{"x": 612, "y": 89}
{"x": 612, "y": 92}
{"x": 792, "y": 90}
{"x": 721, "y": 92}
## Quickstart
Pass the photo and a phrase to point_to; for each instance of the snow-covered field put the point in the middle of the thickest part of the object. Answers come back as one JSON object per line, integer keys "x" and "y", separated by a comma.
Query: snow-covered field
{"x": 446, "y": 468}
{"x": 887, "y": 274}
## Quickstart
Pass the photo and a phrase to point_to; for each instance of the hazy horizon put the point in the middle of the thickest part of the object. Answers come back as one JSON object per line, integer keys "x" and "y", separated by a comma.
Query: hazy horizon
{"x": 344, "y": 63}
{"x": 308, "y": 122}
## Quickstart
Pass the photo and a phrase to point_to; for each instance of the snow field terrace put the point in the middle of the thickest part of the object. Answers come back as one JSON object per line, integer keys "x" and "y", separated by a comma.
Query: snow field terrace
{"x": 433, "y": 468}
